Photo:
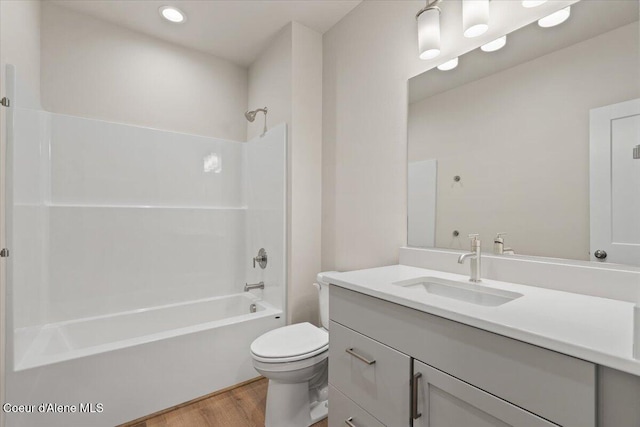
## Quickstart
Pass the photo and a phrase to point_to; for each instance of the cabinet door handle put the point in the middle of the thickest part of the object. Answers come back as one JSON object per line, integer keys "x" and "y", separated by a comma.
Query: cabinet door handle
{"x": 359, "y": 357}
{"x": 414, "y": 396}
{"x": 349, "y": 423}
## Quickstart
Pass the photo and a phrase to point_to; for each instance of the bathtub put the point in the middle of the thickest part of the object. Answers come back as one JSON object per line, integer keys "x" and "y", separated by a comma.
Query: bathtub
{"x": 137, "y": 362}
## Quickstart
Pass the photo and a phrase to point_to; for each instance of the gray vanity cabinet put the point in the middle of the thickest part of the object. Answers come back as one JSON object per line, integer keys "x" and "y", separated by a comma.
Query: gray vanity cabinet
{"x": 444, "y": 401}
{"x": 467, "y": 376}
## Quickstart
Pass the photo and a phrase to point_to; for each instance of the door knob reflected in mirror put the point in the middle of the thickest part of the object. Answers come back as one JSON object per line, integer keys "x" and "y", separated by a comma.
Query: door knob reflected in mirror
{"x": 600, "y": 254}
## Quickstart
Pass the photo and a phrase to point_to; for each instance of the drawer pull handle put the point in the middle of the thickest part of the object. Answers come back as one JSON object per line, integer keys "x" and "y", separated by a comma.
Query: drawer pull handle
{"x": 348, "y": 422}
{"x": 359, "y": 357}
{"x": 414, "y": 396}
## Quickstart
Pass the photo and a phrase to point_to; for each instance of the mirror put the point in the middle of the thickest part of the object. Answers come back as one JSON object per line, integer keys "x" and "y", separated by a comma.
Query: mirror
{"x": 501, "y": 144}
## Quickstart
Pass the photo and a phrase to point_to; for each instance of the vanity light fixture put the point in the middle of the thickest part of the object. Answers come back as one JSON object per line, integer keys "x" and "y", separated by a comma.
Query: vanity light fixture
{"x": 428, "y": 19}
{"x": 532, "y": 3}
{"x": 556, "y": 18}
{"x": 172, "y": 14}
{"x": 494, "y": 45}
{"x": 449, "y": 65}
{"x": 475, "y": 17}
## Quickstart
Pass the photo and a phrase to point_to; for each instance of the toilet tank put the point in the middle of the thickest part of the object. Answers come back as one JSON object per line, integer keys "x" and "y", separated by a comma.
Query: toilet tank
{"x": 323, "y": 298}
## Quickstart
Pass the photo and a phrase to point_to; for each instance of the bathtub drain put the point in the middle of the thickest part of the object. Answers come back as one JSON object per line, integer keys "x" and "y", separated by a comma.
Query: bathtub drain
{"x": 253, "y": 308}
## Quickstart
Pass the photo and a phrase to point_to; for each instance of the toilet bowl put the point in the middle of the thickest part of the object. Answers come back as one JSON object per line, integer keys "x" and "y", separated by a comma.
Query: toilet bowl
{"x": 295, "y": 360}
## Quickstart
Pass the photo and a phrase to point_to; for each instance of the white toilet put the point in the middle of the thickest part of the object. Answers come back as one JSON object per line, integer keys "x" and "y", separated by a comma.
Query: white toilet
{"x": 294, "y": 359}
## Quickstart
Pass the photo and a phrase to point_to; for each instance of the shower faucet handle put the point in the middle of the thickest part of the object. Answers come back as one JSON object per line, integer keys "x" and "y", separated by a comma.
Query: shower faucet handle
{"x": 261, "y": 259}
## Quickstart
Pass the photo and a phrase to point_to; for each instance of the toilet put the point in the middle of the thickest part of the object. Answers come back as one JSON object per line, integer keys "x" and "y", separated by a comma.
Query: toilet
{"x": 294, "y": 359}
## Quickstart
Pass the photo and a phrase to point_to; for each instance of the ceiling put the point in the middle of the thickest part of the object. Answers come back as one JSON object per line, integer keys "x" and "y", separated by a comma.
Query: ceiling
{"x": 236, "y": 30}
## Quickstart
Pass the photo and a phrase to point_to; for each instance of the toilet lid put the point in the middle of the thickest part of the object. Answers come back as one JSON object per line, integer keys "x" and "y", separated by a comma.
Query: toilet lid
{"x": 290, "y": 341}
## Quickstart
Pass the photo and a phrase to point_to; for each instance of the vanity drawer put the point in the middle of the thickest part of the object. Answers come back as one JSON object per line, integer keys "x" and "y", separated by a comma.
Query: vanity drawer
{"x": 555, "y": 386}
{"x": 344, "y": 411}
{"x": 374, "y": 376}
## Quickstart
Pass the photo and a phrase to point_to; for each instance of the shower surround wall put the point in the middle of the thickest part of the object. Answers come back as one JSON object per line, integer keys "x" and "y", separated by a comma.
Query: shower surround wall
{"x": 123, "y": 217}
{"x": 137, "y": 231}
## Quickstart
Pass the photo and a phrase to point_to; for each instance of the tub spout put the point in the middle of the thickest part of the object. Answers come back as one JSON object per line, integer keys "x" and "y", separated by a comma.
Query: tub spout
{"x": 249, "y": 286}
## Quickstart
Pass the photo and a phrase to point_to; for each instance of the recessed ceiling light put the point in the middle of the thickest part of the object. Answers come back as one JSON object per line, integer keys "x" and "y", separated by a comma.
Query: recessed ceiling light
{"x": 172, "y": 14}
{"x": 449, "y": 65}
{"x": 494, "y": 45}
{"x": 532, "y": 3}
{"x": 555, "y": 18}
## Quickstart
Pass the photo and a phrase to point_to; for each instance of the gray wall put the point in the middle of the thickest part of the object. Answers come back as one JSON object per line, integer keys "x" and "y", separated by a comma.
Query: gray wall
{"x": 92, "y": 68}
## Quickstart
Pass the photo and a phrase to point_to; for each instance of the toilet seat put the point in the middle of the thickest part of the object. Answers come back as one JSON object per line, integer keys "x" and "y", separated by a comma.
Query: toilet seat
{"x": 290, "y": 343}
{"x": 290, "y": 366}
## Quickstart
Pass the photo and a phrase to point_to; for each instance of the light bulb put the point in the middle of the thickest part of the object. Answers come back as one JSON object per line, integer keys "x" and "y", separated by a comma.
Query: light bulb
{"x": 449, "y": 65}
{"x": 494, "y": 45}
{"x": 429, "y": 33}
{"x": 555, "y": 18}
{"x": 532, "y": 3}
{"x": 475, "y": 17}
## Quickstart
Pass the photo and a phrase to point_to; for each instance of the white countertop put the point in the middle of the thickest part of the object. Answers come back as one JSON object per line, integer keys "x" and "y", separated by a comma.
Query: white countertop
{"x": 595, "y": 329}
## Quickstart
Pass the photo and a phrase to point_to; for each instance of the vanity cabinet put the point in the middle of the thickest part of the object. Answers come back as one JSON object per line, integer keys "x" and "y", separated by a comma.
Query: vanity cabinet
{"x": 466, "y": 374}
{"x": 443, "y": 401}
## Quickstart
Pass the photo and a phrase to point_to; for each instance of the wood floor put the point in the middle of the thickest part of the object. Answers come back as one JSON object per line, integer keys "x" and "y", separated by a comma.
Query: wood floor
{"x": 239, "y": 407}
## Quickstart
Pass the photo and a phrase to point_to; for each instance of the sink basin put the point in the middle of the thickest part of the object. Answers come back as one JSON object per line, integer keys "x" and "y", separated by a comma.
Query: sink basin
{"x": 472, "y": 293}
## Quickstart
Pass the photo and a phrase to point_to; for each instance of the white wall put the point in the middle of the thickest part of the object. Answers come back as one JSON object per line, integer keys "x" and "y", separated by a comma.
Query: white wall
{"x": 91, "y": 68}
{"x": 368, "y": 57}
{"x": 366, "y": 67}
{"x": 269, "y": 85}
{"x": 287, "y": 78}
{"x": 523, "y": 153}
{"x": 306, "y": 173}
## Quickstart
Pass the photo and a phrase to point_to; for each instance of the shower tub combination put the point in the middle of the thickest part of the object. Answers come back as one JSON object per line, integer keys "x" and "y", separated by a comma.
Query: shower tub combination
{"x": 130, "y": 251}
{"x": 72, "y": 339}
{"x": 139, "y": 362}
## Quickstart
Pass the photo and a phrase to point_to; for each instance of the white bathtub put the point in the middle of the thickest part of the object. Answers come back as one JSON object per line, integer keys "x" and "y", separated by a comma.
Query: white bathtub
{"x": 137, "y": 362}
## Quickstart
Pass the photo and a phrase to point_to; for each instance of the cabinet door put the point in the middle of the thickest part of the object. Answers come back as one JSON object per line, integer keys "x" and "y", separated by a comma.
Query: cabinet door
{"x": 444, "y": 401}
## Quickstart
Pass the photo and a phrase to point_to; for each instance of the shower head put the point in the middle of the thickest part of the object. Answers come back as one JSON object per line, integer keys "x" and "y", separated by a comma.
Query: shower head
{"x": 251, "y": 115}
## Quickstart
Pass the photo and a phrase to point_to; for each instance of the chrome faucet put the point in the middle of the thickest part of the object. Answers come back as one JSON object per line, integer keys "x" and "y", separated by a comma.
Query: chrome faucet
{"x": 249, "y": 286}
{"x": 476, "y": 257}
{"x": 498, "y": 245}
